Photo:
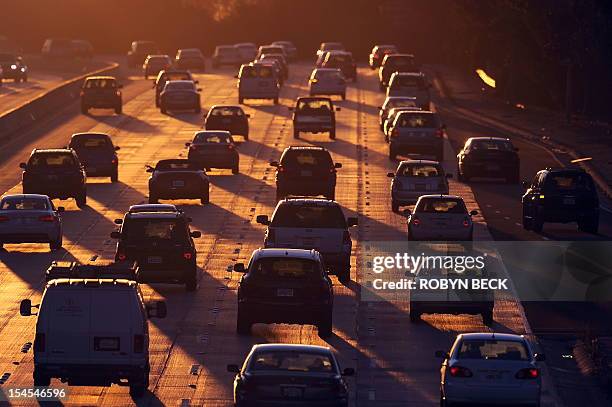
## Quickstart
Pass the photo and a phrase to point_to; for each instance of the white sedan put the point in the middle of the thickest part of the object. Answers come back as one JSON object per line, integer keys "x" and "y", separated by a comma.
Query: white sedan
{"x": 490, "y": 368}
{"x": 327, "y": 81}
{"x": 440, "y": 218}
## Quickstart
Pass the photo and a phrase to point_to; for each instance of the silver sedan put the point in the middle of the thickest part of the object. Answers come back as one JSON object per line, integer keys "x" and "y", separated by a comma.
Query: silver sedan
{"x": 30, "y": 218}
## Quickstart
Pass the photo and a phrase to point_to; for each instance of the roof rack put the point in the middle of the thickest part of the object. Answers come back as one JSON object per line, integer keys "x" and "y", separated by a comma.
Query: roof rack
{"x": 72, "y": 269}
{"x": 153, "y": 208}
{"x": 320, "y": 197}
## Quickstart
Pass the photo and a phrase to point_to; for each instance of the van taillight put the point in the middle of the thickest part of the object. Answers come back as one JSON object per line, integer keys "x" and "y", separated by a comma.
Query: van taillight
{"x": 46, "y": 218}
{"x": 39, "y": 343}
{"x": 121, "y": 256}
{"x": 139, "y": 342}
{"x": 529, "y": 373}
{"x": 187, "y": 255}
{"x": 4, "y": 218}
{"x": 460, "y": 371}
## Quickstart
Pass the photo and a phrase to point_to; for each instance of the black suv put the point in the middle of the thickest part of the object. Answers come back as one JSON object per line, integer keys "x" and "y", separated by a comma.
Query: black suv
{"x": 561, "y": 196}
{"x": 392, "y": 63}
{"x": 228, "y": 117}
{"x": 343, "y": 61}
{"x": 57, "y": 173}
{"x": 314, "y": 115}
{"x": 101, "y": 92}
{"x": 97, "y": 154}
{"x": 285, "y": 286}
{"x": 12, "y": 67}
{"x": 160, "y": 241}
{"x": 178, "y": 179}
{"x": 305, "y": 170}
{"x": 489, "y": 156}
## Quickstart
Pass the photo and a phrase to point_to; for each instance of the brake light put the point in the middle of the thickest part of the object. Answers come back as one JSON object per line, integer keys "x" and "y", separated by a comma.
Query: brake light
{"x": 4, "y": 218}
{"x": 121, "y": 256}
{"x": 528, "y": 373}
{"x": 187, "y": 255}
{"x": 440, "y": 133}
{"x": 466, "y": 223}
{"x": 459, "y": 371}
{"x": 39, "y": 342}
{"x": 139, "y": 342}
{"x": 114, "y": 161}
{"x": 416, "y": 222}
{"x": 46, "y": 218}
{"x": 230, "y": 147}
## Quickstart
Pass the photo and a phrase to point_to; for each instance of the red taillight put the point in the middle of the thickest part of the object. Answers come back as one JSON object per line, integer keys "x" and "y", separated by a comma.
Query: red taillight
{"x": 529, "y": 373}
{"x": 230, "y": 147}
{"x": 46, "y": 218}
{"x": 440, "y": 133}
{"x": 416, "y": 221}
{"x": 114, "y": 162}
{"x": 121, "y": 256}
{"x": 139, "y": 342}
{"x": 466, "y": 223}
{"x": 394, "y": 133}
{"x": 187, "y": 255}
{"x": 39, "y": 343}
{"x": 459, "y": 371}
{"x": 4, "y": 218}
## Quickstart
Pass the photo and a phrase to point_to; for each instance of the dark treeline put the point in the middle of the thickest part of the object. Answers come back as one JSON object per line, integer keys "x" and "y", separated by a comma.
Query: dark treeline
{"x": 528, "y": 45}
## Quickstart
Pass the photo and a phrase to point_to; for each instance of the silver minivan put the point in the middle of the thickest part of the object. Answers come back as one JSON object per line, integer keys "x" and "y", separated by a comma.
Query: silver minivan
{"x": 258, "y": 81}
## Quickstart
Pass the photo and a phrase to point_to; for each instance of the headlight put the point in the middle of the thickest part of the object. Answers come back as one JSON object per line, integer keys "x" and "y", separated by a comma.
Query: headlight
{"x": 13, "y": 66}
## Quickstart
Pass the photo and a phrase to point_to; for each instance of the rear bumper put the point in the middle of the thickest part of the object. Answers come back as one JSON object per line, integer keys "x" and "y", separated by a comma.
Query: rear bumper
{"x": 93, "y": 170}
{"x": 490, "y": 395}
{"x": 188, "y": 191}
{"x": 484, "y": 169}
{"x": 409, "y": 197}
{"x": 58, "y": 190}
{"x": 568, "y": 215}
{"x": 428, "y": 234}
{"x": 102, "y": 102}
{"x": 92, "y": 375}
{"x": 297, "y": 186}
{"x": 314, "y": 127}
{"x": 284, "y": 312}
{"x": 327, "y": 90}
{"x": 433, "y": 147}
{"x": 181, "y": 104}
{"x": 215, "y": 161}
{"x": 30, "y": 236}
{"x": 258, "y": 94}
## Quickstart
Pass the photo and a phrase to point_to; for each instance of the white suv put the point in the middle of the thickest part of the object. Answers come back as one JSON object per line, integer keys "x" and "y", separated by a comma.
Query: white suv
{"x": 93, "y": 332}
{"x": 312, "y": 223}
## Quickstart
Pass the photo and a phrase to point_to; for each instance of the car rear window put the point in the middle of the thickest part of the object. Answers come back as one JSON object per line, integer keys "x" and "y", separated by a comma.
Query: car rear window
{"x": 420, "y": 170}
{"x": 497, "y": 145}
{"x": 179, "y": 86}
{"x": 416, "y": 120}
{"x": 402, "y": 81}
{"x": 100, "y": 84}
{"x": 339, "y": 58}
{"x": 259, "y": 71}
{"x": 492, "y": 349}
{"x": 175, "y": 166}
{"x": 158, "y": 229}
{"x": 52, "y": 160}
{"x": 213, "y": 138}
{"x": 315, "y": 107}
{"x": 174, "y": 76}
{"x": 400, "y": 61}
{"x": 309, "y": 216}
{"x": 441, "y": 205}
{"x": 569, "y": 182}
{"x": 299, "y": 158}
{"x": 91, "y": 142}
{"x": 13, "y": 203}
{"x": 327, "y": 74}
{"x": 227, "y": 111}
{"x": 407, "y": 102}
{"x": 291, "y": 361}
{"x": 284, "y": 267}
{"x": 190, "y": 53}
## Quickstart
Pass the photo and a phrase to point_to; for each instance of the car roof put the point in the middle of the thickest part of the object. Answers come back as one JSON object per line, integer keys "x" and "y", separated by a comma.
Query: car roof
{"x": 575, "y": 170}
{"x": 489, "y": 138}
{"x": 87, "y": 133}
{"x": 152, "y": 208}
{"x": 245, "y": 44}
{"x": 52, "y": 150}
{"x": 292, "y": 253}
{"x": 173, "y": 70}
{"x": 93, "y": 282}
{"x": 446, "y": 196}
{"x": 213, "y": 132}
{"x": 399, "y": 55}
{"x": 307, "y": 98}
{"x": 290, "y": 347}
{"x": 407, "y": 162}
{"x": 385, "y": 45}
{"x": 318, "y": 148}
{"x": 37, "y": 196}
{"x": 300, "y": 200}
{"x": 96, "y": 77}
{"x": 221, "y": 106}
{"x": 181, "y": 81}
{"x": 491, "y": 335}
{"x": 420, "y": 112}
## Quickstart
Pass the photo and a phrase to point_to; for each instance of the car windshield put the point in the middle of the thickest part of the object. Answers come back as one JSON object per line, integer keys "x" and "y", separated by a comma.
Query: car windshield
{"x": 154, "y": 228}
{"x": 175, "y": 76}
{"x": 492, "y": 349}
{"x": 227, "y": 111}
{"x": 291, "y": 361}
{"x": 309, "y": 216}
{"x": 91, "y": 142}
{"x": 416, "y": 120}
{"x": 441, "y": 205}
{"x": 314, "y": 107}
{"x": 176, "y": 166}
{"x": 569, "y": 182}
{"x": 404, "y": 81}
{"x": 16, "y": 203}
{"x": 52, "y": 160}
{"x": 270, "y": 268}
{"x": 100, "y": 83}
{"x": 212, "y": 138}
{"x": 179, "y": 86}
{"x": 300, "y": 158}
{"x": 496, "y": 145}
{"x": 420, "y": 170}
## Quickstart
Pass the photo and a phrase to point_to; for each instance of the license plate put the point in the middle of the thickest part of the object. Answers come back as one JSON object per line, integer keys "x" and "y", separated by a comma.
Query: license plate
{"x": 178, "y": 183}
{"x": 284, "y": 292}
{"x": 106, "y": 344}
{"x": 569, "y": 201}
{"x": 292, "y": 392}
{"x": 154, "y": 259}
{"x": 306, "y": 173}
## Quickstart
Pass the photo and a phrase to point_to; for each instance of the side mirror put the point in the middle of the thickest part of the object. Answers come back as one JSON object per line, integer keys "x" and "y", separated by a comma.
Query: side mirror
{"x": 233, "y": 368}
{"x": 473, "y": 212}
{"x": 25, "y": 308}
{"x": 187, "y": 144}
{"x": 117, "y": 148}
{"x": 239, "y": 268}
{"x": 391, "y": 175}
{"x": 338, "y": 165}
{"x": 196, "y": 234}
{"x": 449, "y": 175}
{"x": 22, "y": 165}
{"x": 525, "y": 184}
{"x": 160, "y": 310}
{"x": 115, "y": 235}
{"x": 540, "y": 357}
{"x": 352, "y": 221}
{"x": 349, "y": 371}
{"x": 61, "y": 209}
{"x": 263, "y": 219}
{"x": 338, "y": 109}
{"x": 118, "y": 221}
{"x": 274, "y": 164}
{"x": 441, "y": 354}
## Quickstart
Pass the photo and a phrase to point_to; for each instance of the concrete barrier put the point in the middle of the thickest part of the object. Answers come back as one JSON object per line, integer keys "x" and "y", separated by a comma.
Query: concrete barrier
{"x": 21, "y": 117}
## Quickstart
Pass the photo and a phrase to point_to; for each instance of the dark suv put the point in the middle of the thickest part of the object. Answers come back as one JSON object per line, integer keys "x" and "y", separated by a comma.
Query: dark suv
{"x": 12, "y": 67}
{"x": 305, "y": 170}
{"x": 343, "y": 61}
{"x": 314, "y": 115}
{"x": 178, "y": 179}
{"x": 160, "y": 241}
{"x": 489, "y": 156}
{"x": 561, "y": 196}
{"x": 101, "y": 92}
{"x": 285, "y": 285}
{"x": 392, "y": 63}
{"x": 97, "y": 154}
{"x": 56, "y": 173}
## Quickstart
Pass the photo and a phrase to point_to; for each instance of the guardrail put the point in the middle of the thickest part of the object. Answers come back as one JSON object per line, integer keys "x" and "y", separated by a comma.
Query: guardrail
{"x": 25, "y": 115}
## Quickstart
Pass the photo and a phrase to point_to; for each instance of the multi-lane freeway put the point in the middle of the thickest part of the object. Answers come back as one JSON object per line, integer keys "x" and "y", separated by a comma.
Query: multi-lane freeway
{"x": 394, "y": 359}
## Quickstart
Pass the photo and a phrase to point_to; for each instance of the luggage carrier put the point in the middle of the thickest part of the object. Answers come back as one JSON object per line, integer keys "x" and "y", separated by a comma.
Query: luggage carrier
{"x": 110, "y": 270}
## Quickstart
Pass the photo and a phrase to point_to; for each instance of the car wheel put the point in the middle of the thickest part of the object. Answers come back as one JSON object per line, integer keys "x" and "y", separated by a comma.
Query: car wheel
{"x": 395, "y": 207}
{"x": 81, "y": 199}
{"x": 236, "y": 169}
{"x": 343, "y": 96}
{"x": 325, "y": 325}
{"x": 415, "y": 316}
{"x": 56, "y": 244}
{"x": 243, "y": 323}
{"x": 153, "y": 199}
{"x": 115, "y": 175}
{"x": 296, "y": 133}
{"x": 487, "y": 316}
{"x": 119, "y": 109}
{"x": 40, "y": 379}
{"x": 138, "y": 386}
{"x": 276, "y": 101}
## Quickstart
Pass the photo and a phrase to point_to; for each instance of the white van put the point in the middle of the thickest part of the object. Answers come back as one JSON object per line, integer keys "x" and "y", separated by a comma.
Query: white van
{"x": 92, "y": 332}
{"x": 257, "y": 81}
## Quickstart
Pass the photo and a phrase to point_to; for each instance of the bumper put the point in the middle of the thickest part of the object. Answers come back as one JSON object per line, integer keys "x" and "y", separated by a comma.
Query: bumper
{"x": 489, "y": 395}
{"x": 30, "y": 236}
{"x": 180, "y": 104}
{"x": 60, "y": 192}
{"x": 258, "y": 94}
{"x": 430, "y": 234}
{"x": 94, "y": 170}
{"x": 314, "y": 127}
{"x": 489, "y": 169}
{"x": 101, "y": 102}
{"x": 327, "y": 90}
{"x": 285, "y": 312}
{"x": 306, "y": 187}
{"x": 215, "y": 161}
{"x": 91, "y": 375}
{"x": 188, "y": 191}
{"x": 410, "y": 197}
